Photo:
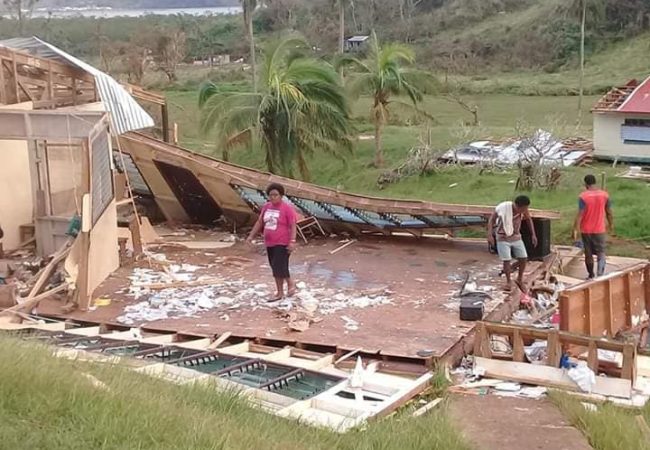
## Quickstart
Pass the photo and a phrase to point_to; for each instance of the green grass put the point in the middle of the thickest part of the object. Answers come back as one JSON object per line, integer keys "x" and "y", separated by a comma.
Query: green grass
{"x": 609, "y": 428}
{"x": 48, "y": 403}
{"x": 614, "y": 66}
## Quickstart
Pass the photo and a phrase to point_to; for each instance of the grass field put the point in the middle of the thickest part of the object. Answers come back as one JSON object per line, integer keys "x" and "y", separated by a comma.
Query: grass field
{"x": 51, "y": 403}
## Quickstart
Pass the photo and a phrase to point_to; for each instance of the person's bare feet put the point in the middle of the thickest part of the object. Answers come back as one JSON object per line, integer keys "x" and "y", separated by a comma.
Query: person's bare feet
{"x": 275, "y": 298}
{"x": 507, "y": 287}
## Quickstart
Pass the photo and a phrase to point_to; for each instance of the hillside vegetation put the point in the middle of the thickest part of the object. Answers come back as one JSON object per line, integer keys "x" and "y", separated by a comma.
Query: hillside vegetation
{"x": 468, "y": 41}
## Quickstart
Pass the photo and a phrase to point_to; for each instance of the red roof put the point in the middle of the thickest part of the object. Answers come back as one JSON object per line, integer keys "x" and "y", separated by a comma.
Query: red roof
{"x": 638, "y": 101}
{"x": 633, "y": 98}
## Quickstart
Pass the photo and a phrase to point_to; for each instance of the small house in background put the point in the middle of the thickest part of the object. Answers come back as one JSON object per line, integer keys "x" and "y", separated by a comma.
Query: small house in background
{"x": 622, "y": 124}
{"x": 356, "y": 43}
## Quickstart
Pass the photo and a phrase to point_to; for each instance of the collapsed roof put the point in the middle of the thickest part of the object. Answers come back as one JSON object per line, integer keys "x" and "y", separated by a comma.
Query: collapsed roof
{"x": 126, "y": 113}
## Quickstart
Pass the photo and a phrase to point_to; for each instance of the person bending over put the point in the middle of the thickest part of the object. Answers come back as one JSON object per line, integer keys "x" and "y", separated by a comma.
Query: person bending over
{"x": 504, "y": 231}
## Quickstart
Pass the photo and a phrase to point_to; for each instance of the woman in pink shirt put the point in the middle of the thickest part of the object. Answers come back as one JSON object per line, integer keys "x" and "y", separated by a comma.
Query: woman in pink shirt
{"x": 278, "y": 220}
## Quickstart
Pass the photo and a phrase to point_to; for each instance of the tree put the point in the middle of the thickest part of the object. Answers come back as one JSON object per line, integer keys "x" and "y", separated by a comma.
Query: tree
{"x": 22, "y": 9}
{"x": 248, "y": 7}
{"x": 170, "y": 51}
{"x": 383, "y": 75}
{"x": 300, "y": 107}
{"x": 341, "y": 6}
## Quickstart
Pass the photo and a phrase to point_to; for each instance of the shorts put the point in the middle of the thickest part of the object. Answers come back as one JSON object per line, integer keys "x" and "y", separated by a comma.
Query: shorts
{"x": 594, "y": 244}
{"x": 508, "y": 250}
{"x": 279, "y": 261}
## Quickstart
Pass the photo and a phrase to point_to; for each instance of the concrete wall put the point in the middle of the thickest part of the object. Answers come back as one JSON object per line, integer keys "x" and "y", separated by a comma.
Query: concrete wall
{"x": 16, "y": 197}
{"x": 608, "y": 143}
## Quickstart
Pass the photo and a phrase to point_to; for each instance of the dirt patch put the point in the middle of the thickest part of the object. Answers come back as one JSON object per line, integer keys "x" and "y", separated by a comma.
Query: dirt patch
{"x": 502, "y": 423}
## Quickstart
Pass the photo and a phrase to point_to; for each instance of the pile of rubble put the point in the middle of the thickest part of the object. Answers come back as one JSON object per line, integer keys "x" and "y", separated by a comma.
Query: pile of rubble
{"x": 542, "y": 145}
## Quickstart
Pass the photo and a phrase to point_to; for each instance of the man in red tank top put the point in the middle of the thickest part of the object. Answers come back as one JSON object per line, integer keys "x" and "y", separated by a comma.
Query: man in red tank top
{"x": 593, "y": 221}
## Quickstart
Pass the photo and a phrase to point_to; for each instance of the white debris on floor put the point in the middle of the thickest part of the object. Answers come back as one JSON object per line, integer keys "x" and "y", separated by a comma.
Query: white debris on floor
{"x": 191, "y": 292}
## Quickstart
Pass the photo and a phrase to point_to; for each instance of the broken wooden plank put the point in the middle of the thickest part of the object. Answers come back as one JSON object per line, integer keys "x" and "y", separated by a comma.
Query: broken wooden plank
{"x": 31, "y": 302}
{"x": 550, "y": 377}
{"x": 347, "y": 355}
{"x": 347, "y": 244}
{"x": 426, "y": 408}
{"x": 220, "y": 340}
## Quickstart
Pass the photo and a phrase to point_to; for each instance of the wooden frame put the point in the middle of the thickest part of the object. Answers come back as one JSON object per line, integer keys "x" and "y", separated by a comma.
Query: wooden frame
{"x": 608, "y": 305}
{"x": 557, "y": 343}
{"x": 47, "y": 83}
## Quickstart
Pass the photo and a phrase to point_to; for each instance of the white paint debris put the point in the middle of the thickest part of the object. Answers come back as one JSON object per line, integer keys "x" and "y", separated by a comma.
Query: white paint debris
{"x": 350, "y": 324}
{"x": 158, "y": 302}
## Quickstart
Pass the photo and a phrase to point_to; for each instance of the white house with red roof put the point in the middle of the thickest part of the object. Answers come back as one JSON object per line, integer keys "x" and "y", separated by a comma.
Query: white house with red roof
{"x": 622, "y": 123}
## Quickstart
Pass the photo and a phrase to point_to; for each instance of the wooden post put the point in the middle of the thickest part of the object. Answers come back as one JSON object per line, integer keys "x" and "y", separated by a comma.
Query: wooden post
{"x": 518, "y": 354}
{"x": 3, "y": 83}
{"x": 610, "y": 313}
{"x": 50, "y": 83}
{"x": 565, "y": 300}
{"x": 134, "y": 226}
{"x": 629, "y": 362}
{"x": 83, "y": 296}
{"x": 15, "y": 78}
{"x": 592, "y": 357}
{"x": 74, "y": 91}
{"x": 590, "y": 326}
{"x": 482, "y": 341}
{"x": 554, "y": 349}
{"x": 646, "y": 282}
{"x": 628, "y": 301}
{"x": 164, "y": 110}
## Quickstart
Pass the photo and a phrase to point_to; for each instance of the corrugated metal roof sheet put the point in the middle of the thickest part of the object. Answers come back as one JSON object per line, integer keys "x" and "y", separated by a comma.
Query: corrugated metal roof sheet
{"x": 126, "y": 113}
{"x": 639, "y": 101}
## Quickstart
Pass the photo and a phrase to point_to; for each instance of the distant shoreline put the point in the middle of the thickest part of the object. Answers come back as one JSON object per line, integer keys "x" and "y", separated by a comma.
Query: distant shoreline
{"x": 109, "y": 12}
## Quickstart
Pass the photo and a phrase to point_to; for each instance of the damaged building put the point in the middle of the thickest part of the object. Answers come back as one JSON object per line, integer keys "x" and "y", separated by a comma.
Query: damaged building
{"x": 125, "y": 247}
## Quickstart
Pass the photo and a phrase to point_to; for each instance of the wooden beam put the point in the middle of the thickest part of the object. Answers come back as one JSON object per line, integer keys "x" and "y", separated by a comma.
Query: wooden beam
{"x": 426, "y": 408}
{"x": 164, "y": 110}
{"x": 550, "y": 377}
{"x": 14, "y": 69}
{"x": 628, "y": 301}
{"x": 610, "y": 309}
{"x": 589, "y": 322}
{"x": 518, "y": 353}
{"x": 646, "y": 283}
{"x": 26, "y": 59}
{"x": 554, "y": 349}
{"x": 3, "y": 85}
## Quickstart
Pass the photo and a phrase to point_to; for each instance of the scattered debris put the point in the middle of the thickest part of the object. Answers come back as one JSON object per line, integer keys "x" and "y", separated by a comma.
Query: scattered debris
{"x": 637, "y": 173}
{"x": 565, "y": 153}
{"x": 185, "y": 290}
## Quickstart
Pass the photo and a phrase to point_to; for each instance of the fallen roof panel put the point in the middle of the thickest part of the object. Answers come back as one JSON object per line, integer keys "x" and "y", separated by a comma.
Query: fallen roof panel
{"x": 239, "y": 192}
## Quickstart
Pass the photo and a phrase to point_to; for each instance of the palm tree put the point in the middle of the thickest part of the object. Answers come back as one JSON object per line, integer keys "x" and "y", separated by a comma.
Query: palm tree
{"x": 248, "y": 7}
{"x": 384, "y": 74}
{"x": 300, "y": 107}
